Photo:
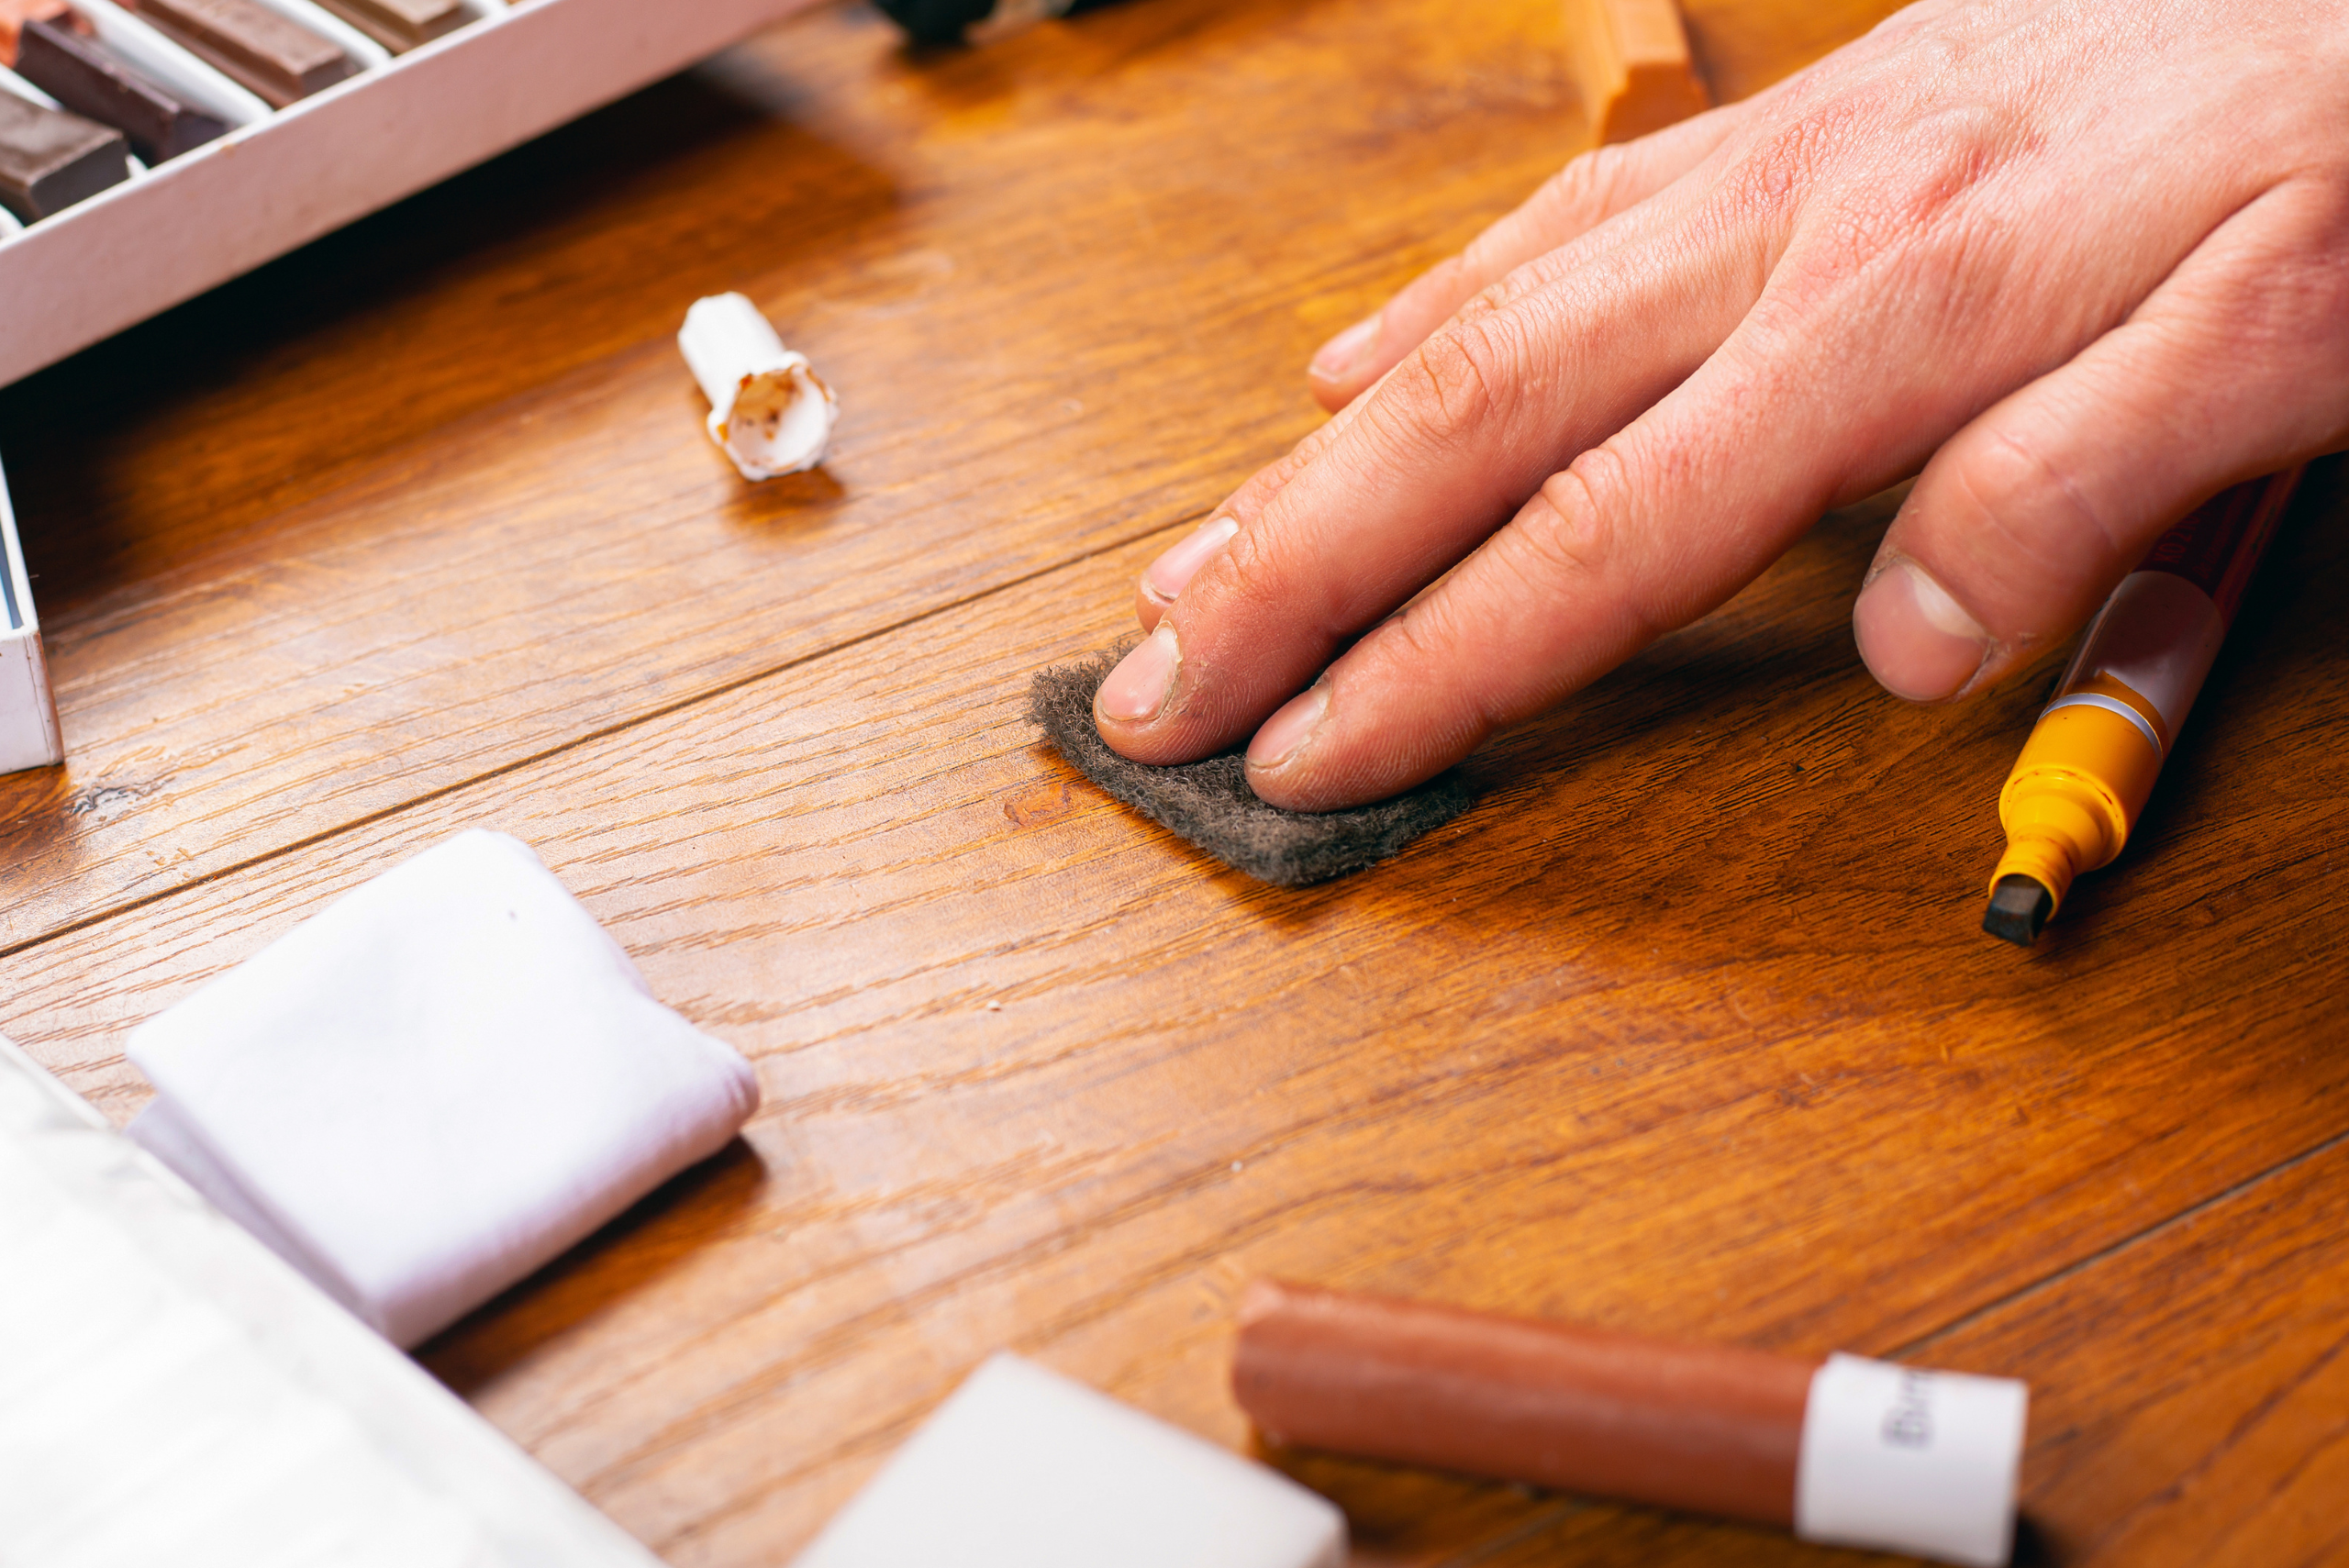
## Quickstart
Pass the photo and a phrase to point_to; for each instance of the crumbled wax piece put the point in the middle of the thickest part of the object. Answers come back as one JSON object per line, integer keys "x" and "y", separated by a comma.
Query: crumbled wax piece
{"x": 768, "y": 410}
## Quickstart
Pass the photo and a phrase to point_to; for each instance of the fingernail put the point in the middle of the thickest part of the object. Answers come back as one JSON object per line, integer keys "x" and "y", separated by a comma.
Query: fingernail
{"x": 1169, "y": 572}
{"x": 1918, "y": 641}
{"x": 1287, "y": 730}
{"x": 1143, "y": 679}
{"x": 1339, "y": 354}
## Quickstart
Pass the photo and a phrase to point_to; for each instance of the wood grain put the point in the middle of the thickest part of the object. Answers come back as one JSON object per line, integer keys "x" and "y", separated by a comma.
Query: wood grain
{"x": 417, "y": 539}
{"x": 1781, "y": 1092}
{"x": 1686, "y": 1028}
{"x": 2190, "y": 1390}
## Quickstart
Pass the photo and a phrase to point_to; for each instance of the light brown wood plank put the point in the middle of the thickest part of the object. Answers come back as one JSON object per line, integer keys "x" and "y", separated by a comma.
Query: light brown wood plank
{"x": 1665, "y": 1034}
{"x": 433, "y": 497}
{"x": 414, "y": 531}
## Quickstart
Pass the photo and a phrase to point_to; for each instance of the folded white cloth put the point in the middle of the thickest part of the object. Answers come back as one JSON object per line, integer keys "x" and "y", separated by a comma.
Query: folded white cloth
{"x": 1023, "y": 1468}
{"x": 431, "y": 1088}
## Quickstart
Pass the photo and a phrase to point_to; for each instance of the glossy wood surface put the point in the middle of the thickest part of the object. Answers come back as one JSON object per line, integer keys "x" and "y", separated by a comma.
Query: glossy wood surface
{"x": 1686, "y": 1028}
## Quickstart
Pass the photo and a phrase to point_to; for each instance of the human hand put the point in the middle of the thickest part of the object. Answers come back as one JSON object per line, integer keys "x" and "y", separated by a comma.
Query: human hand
{"x": 2090, "y": 256}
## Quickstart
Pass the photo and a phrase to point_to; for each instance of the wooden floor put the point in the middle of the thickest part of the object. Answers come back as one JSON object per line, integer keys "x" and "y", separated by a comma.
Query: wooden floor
{"x": 1686, "y": 1028}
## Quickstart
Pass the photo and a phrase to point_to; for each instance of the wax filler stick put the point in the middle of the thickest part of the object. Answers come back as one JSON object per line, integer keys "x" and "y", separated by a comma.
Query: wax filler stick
{"x": 269, "y": 55}
{"x": 2084, "y": 776}
{"x": 1023, "y": 1468}
{"x": 1851, "y": 1452}
{"x": 50, "y": 158}
{"x": 400, "y": 25}
{"x": 1632, "y": 63}
{"x": 80, "y": 73}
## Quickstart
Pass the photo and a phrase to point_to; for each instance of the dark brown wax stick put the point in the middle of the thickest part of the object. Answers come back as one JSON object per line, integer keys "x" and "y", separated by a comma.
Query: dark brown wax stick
{"x": 50, "y": 158}
{"x": 1705, "y": 1427}
{"x": 281, "y": 61}
{"x": 80, "y": 73}
{"x": 400, "y": 25}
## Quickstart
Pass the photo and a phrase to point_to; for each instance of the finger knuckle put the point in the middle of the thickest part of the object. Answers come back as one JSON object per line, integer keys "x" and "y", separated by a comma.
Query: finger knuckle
{"x": 1462, "y": 379}
{"x": 2297, "y": 297}
{"x": 1586, "y": 187}
{"x": 1577, "y": 542}
{"x": 1246, "y": 559}
{"x": 1454, "y": 715}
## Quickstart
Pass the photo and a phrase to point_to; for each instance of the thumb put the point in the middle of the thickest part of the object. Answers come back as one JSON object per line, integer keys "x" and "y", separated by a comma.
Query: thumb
{"x": 2236, "y": 366}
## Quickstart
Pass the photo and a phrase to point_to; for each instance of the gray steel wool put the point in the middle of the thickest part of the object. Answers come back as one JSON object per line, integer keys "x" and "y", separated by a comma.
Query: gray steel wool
{"x": 1209, "y": 803}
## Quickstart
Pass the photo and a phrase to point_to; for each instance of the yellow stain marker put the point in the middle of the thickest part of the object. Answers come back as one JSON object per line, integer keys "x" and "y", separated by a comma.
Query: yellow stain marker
{"x": 2086, "y": 773}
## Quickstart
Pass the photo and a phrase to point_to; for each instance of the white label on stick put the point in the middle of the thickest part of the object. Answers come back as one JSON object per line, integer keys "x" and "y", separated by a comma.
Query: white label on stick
{"x": 1904, "y": 1460}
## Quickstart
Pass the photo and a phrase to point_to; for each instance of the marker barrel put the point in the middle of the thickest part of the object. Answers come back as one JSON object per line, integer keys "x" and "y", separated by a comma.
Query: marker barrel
{"x": 1854, "y": 1451}
{"x": 2084, "y": 776}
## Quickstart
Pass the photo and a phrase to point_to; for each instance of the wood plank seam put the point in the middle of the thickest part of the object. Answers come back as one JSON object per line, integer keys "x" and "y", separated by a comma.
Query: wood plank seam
{"x": 2142, "y": 1237}
{"x": 589, "y": 736}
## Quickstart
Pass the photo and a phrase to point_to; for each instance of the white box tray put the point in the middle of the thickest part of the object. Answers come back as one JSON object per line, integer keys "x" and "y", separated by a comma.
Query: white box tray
{"x": 29, "y": 736}
{"x": 261, "y": 190}
{"x": 208, "y": 216}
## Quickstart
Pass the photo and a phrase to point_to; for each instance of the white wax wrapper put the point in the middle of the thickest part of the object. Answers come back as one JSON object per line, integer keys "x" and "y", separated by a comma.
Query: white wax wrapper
{"x": 1023, "y": 1468}
{"x": 1898, "y": 1459}
{"x": 768, "y": 410}
{"x": 433, "y": 1086}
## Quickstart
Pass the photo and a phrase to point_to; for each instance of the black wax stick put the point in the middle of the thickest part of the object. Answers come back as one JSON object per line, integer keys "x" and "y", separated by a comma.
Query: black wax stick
{"x": 80, "y": 73}
{"x": 49, "y": 159}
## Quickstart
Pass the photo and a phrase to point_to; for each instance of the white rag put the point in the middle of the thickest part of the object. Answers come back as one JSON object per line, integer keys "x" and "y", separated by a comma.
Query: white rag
{"x": 427, "y": 1090}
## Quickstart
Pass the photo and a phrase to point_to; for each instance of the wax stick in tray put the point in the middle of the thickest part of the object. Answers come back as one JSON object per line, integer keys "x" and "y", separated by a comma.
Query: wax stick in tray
{"x": 1854, "y": 1452}
{"x": 80, "y": 73}
{"x": 2087, "y": 771}
{"x": 401, "y": 25}
{"x": 277, "y": 60}
{"x": 49, "y": 159}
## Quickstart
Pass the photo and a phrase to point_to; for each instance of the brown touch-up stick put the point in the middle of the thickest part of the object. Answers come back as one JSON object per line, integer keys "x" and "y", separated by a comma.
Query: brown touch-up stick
{"x": 400, "y": 25}
{"x": 14, "y": 13}
{"x": 1859, "y": 1452}
{"x": 280, "y": 61}
{"x": 81, "y": 74}
{"x": 1632, "y": 61}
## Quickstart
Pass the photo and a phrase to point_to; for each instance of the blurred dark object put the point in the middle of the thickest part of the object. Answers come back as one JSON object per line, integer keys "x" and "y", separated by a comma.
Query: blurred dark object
{"x": 975, "y": 21}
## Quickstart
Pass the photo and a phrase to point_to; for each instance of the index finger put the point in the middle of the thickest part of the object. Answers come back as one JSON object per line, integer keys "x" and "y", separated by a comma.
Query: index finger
{"x": 1563, "y": 353}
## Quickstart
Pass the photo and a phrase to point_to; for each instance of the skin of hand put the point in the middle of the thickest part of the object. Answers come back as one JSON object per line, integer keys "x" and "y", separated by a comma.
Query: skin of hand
{"x": 2083, "y": 263}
